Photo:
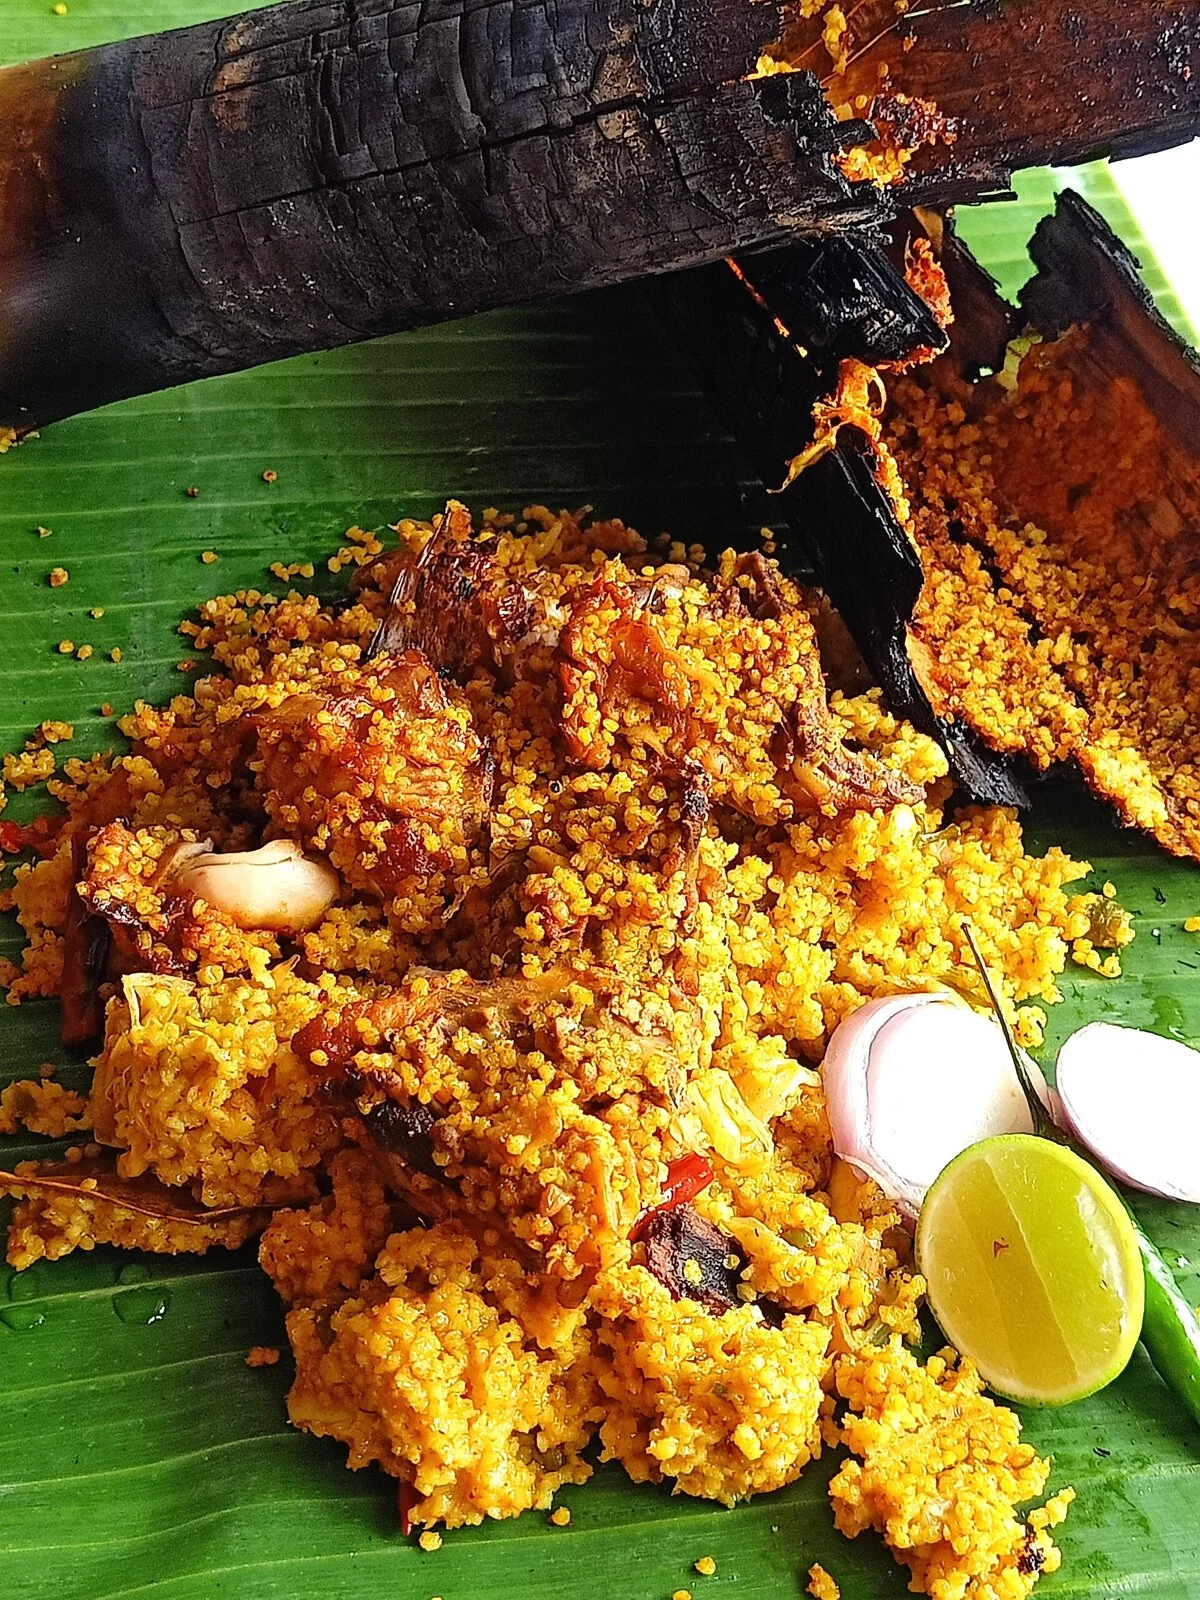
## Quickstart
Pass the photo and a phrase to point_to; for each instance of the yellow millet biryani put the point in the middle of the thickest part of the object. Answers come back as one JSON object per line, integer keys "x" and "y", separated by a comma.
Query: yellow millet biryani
{"x": 1058, "y": 615}
{"x": 474, "y": 939}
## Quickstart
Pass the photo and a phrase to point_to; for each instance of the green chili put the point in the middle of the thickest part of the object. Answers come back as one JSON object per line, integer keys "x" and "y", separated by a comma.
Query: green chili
{"x": 1170, "y": 1327}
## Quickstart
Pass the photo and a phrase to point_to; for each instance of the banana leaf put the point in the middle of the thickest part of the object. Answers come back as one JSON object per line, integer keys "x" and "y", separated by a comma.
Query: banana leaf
{"x": 138, "y": 1453}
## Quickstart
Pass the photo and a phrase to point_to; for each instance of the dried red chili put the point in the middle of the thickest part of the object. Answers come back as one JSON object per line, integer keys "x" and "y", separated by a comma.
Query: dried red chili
{"x": 41, "y": 835}
{"x": 686, "y": 1177}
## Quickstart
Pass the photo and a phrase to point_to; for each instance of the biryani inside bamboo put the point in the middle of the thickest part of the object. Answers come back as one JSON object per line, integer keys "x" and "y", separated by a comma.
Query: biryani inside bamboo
{"x": 1009, "y": 530}
{"x": 1055, "y": 504}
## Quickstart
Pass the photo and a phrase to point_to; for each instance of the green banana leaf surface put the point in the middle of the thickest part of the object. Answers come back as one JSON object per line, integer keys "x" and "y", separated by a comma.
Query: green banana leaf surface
{"x": 139, "y": 1456}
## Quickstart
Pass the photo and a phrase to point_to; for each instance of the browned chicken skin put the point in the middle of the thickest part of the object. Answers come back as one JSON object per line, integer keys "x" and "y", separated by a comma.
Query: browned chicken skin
{"x": 768, "y": 730}
{"x": 454, "y": 601}
{"x": 722, "y": 680}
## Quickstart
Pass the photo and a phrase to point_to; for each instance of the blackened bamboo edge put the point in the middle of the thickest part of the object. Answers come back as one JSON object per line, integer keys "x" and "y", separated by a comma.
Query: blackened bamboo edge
{"x": 835, "y": 300}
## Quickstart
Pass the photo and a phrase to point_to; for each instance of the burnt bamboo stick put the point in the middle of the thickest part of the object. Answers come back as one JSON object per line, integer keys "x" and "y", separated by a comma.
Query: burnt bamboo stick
{"x": 320, "y": 172}
{"x": 328, "y": 170}
{"x": 1033, "y": 83}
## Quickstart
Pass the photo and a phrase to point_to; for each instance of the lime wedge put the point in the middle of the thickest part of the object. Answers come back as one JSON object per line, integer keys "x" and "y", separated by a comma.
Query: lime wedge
{"x": 1033, "y": 1269}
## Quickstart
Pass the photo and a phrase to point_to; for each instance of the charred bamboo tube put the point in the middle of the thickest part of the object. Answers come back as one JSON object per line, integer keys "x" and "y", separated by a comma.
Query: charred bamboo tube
{"x": 766, "y": 336}
{"x": 1118, "y": 491}
{"x": 327, "y": 170}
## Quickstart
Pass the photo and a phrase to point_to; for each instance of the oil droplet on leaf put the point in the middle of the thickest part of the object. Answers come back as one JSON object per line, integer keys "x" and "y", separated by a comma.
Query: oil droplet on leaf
{"x": 1168, "y": 1016}
{"x": 21, "y": 1318}
{"x": 27, "y": 1285}
{"x": 142, "y": 1306}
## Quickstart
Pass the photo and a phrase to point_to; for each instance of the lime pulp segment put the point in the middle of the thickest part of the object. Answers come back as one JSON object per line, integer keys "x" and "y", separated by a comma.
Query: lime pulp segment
{"x": 1033, "y": 1268}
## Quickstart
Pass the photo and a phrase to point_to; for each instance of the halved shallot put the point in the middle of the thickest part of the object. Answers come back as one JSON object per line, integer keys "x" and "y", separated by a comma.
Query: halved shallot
{"x": 1133, "y": 1099}
{"x": 910, "y": 1081}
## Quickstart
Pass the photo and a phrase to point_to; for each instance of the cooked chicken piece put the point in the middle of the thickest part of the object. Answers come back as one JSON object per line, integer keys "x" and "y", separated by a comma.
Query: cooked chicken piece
{"x": 720, "y": 681}
{"x": 432, "y": 1371}
{"x": 198, "y": 1084}
{"x": 319, "y": 1255}
{"x": 387, "y": 778}
{"x": 726, "y": 682}
{"x": 140, "y": 885}
{"x": 454, "y": 602}
{"x": 735, "y": 1394}
{"x": 544, "y": 1107}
